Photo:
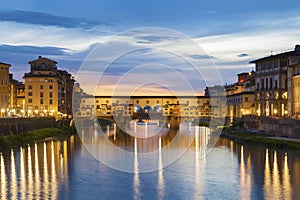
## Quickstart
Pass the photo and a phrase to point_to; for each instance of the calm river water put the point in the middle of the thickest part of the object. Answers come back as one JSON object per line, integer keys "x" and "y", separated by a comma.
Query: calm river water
{"x": 66, "y": 170}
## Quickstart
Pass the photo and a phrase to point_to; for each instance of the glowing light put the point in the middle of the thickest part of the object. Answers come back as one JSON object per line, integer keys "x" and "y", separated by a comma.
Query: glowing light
{"x": 14, "y": 184}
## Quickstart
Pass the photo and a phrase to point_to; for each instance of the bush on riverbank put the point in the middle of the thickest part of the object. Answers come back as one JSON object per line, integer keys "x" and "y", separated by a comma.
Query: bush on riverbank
{"x": 243, "y": 136}
{"x": 12, "y": 141}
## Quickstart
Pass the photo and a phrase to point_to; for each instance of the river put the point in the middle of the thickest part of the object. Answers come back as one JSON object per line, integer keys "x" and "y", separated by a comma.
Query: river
{"x": 66, "y": 170}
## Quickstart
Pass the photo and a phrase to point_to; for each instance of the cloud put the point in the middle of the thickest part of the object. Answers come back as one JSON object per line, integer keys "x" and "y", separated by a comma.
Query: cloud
{"x": 243, "y": 55}
{"x": 45, "y": 19}
{"x": 200, "y": 57}
{"x": 36, "y": 50}
{"x": 148, "y": 39}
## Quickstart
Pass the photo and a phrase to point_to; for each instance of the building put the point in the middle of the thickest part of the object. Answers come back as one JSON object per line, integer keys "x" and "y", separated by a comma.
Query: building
{"x": 48, "y": 90}
{"x": 21, "y": 97}
{"x": 4, "y": 88}
{"x": 294, "y": 91}
{"x": 271, "y": 78}
{"x": 240, "y": 104}
{"x": 168, "y": 106}
{"x": 240, "y": 96}
{"x": 17, "y": 97}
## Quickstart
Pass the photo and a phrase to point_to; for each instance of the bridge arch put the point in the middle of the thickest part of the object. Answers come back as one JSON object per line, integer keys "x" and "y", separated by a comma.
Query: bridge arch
{"x": 157, "y": 109}
{"x": 147, "y": 109}
{"x": 138, "y": 109}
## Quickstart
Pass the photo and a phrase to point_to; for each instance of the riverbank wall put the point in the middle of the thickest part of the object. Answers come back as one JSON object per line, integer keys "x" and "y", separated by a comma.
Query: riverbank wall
{"x": 280, "y": 127}
{"x": 19, "y": 125}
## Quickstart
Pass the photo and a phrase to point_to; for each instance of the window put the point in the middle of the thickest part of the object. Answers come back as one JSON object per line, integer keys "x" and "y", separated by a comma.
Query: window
{"x": 29, "y": 100}
{"x": 41, "y": 87}
{"x": 50, "y": 87}
{"x": 246, "y": 99}
{"x": 41, "y": 94}
{"x": 50, "y": 94}
{"x": 262, "y": 84}
{"x": 147, "y": 101}
{"x": 29, "y": 87}
{"x": 51, "y": 101}
{"x": 107, "y": 101}
{"x": 62, "y": 101}
{"x": 41, "y": 101}
{"x": 97, "y": 101}
{"x": 29, "y": 93}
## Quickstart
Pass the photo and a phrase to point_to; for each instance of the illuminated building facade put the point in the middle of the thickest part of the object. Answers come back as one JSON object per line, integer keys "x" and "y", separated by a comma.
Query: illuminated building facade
{"x": 4, "y": 88}
{"x": 271, "y": 78}
{"x": 294, "y": 91}
{"x": 183, "y": 106}
{"x": 48, "y": 90}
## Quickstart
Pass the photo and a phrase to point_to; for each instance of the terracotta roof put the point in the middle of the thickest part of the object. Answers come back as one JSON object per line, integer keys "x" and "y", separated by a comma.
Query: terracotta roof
{"x": 42, "y": 58}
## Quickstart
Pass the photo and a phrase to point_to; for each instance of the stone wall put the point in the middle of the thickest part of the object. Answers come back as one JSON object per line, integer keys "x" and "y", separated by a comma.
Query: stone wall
{"x": 19, "y": 125}
{"x": 280, "y": 127}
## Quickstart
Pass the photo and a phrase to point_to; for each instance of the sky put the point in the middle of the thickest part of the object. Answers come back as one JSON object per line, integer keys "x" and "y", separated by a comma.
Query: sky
{"x": 107, "y": 42}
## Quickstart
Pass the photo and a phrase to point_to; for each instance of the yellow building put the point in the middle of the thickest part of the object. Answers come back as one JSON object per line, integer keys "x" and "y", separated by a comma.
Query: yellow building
{"x": 17, "y": 95}
{"x": 294, "y": 91}
{"x": 241, "y": 104}
{"x": 4, "y": 88}
{"x": 21, "y": 98}
{"x": 48, "y": 90}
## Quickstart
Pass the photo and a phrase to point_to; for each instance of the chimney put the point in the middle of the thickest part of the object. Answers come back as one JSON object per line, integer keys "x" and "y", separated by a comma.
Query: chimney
{"x": 40, "y": 57}
{"x": 297, "y": 47}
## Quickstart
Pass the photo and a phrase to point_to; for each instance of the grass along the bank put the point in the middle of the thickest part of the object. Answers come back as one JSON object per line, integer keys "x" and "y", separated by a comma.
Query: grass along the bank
{"x": 243, "y": 136}
{"x": 12, "y": 141}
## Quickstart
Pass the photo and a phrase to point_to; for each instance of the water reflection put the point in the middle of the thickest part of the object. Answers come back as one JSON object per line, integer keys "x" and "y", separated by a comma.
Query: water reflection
{"x": 22, "y": 174}
{"x": 276, "y": 187}
{"x": 287, "y": 190}
{"x": 43, "y": 171}
{"x": 136, "y": 178}
{"x": 269, "y": 168}
{"x": 200, "y": 162}
{"x": 245, "y": 176}
{"x": 3, "y": 178}
{"x": 26, "y": 175}
{"x": 14, "y": 184}
{"x": 160, "y": 182}
{"x": 36, "y": 172}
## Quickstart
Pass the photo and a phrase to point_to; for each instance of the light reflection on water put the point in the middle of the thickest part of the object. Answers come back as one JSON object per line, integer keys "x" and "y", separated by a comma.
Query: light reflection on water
{"x": 64, "y": 170}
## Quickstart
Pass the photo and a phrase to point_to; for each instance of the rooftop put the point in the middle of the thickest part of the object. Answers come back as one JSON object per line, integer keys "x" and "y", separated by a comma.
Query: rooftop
{"x": 296, "y": 51}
